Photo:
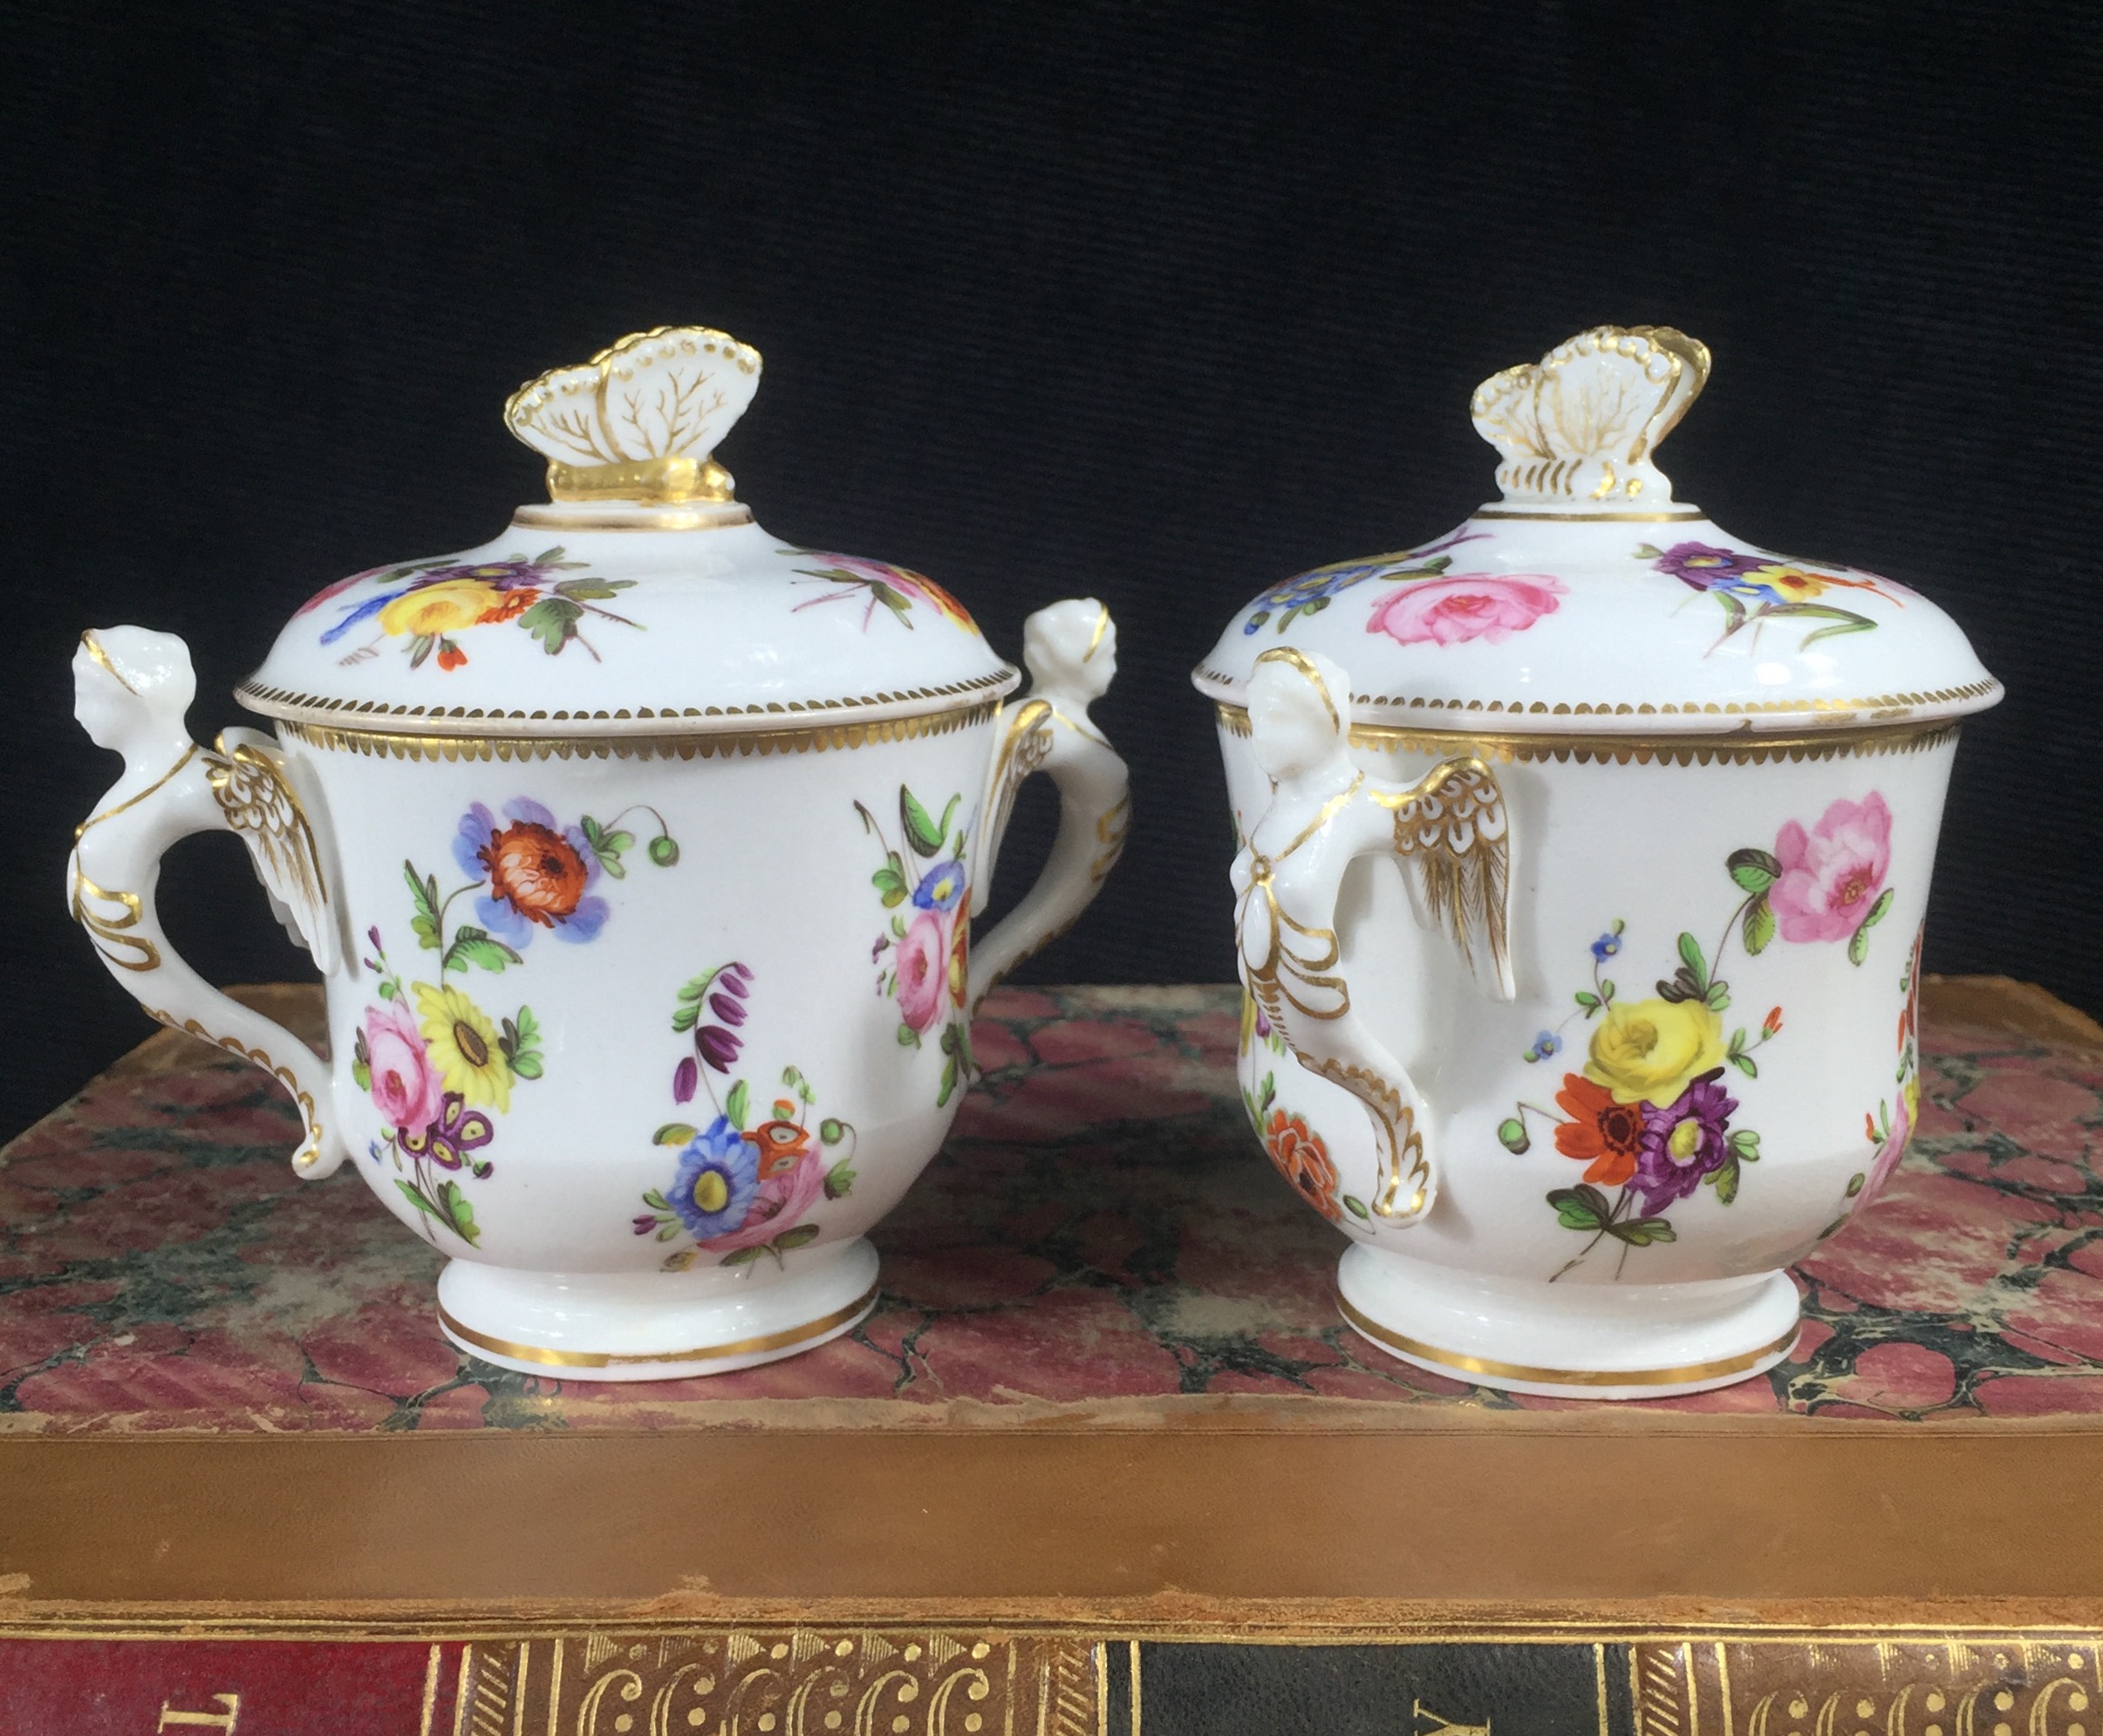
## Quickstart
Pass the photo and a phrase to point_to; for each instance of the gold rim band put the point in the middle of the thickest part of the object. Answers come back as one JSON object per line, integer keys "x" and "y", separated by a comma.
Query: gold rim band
{"x": 1596, "y": 517}
{"x": 1743, "y": 746}
{"x": 725, "y": 744}
{"x": 1448, "y": 1359}
{"x": 609, "y": 1359}
{"x": 1870, "y": 708}
{"x": 282, "y": 703}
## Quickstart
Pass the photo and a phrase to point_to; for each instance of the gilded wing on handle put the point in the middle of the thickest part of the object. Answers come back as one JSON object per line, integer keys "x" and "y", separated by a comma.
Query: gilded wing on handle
{"x": 1452, "y": 832}
{"x": 261, "y": 805}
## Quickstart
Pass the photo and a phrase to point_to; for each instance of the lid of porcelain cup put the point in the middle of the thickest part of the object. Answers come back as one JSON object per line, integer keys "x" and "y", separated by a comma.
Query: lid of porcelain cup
{"x": 1589, "y": 600}
{"x": 641, "y": 600}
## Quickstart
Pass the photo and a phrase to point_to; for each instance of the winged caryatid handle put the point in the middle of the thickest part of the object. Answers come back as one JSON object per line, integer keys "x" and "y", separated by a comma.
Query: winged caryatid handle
{"x": 132, "y": 688}
{"x": 1071, "y": 652}
{"x": 1449, "y": 828}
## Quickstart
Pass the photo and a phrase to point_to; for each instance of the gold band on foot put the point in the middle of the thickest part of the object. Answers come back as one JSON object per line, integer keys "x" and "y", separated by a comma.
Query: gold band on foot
{"x": 1722, "y": 1368}
{"x": 609, "y": 1359}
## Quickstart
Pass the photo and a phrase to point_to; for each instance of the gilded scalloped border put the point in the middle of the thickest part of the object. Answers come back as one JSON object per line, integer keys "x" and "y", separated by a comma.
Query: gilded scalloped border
{"x": 279, "y": 702}
{"x": 1738, "y": 749}
{"x": 725, "y": 744}
{"x": 1879, "y": 705}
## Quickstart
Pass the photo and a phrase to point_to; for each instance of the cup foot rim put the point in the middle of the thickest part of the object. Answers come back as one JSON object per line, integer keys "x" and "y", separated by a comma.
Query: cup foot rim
{"x": 616, "y": 1334}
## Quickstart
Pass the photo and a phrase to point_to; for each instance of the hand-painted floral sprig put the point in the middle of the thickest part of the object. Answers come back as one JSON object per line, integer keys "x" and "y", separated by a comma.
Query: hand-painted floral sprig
{"x": 741, "y": 1187}
{"x": 1755, "y": 588}
{"x": 898, "y": 589}
{"x": 430, "y": 603}
{"x": 1892, "y": 1125}
{"x": 1296, "y": 1151}
{"x": 434, "y": 1072}
{"x": 1646, "y": 1114}
{"x": 927, "y": 969}
{"x": 1430, "y": 604}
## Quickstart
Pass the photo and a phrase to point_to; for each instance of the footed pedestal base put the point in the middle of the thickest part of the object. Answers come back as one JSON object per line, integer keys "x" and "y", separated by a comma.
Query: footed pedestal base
{"x": 657, "y": 1325}
{"x": 1569, "y": 1340}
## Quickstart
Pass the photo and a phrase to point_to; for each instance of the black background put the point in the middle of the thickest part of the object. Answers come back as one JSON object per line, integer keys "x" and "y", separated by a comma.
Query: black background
{"x": 1160, "y": 303}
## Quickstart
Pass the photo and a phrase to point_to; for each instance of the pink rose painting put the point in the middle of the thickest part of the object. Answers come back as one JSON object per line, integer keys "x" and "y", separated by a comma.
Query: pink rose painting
{"x": 923, "y": 971}
{"x": 1465, "y": 605}
{"x": 1832, "y": 876}
{"x": 404, "y": 1088}
{"x": 780, "y": 1205}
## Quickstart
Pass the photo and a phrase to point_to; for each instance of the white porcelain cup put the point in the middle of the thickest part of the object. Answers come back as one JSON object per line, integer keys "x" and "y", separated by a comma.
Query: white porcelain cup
{"x": 643, "y": 1031}
{"x": 1632, "y": 1029}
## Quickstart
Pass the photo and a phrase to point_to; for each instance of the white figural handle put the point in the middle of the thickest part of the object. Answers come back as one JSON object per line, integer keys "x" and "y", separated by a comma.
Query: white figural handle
{"x": 131, "y": 690}
{"x": 1449, "y": 828}
{"x": 1071, "y": 651}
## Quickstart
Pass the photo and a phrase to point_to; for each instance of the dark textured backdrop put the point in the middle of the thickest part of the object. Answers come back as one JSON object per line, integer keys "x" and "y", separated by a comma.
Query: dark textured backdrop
{"x": 1162, "y": 303}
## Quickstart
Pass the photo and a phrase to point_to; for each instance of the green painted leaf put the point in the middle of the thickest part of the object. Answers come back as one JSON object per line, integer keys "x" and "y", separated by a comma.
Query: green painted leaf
{"x": 415, "y": 1197}
{"x": 1855, "y": 1183}
{"x": 887, "y": 881}
{"x": 1587, "y": 999}
{"x": 421, "y": 648}
{"x": 839, "y": 1181}
{"x": 1642, "y": 1232}
{"x": 832, "y": 1130}
{"x": 1690, "y": 955}
{"x": 949, "y": 1082}
{"x": 1858, "y": 945}
{"x": 1754, "y": 870}
{"x": 1356, "y": 1208}
{"x": 675, "y": 1133}
{"x": 473, "y": 947}
{"x": 740, "y": 1256}
{"x": 363, "y": 1074}
{"x": 1511, "y": 1134}
{"x": 459, "y": 1212}
{"x": 1745, "y": 1145}
{"x": 1726, "y": 1183}
{"x": 1606, "y": 989}
{"x": 526, "y": 1064}
{"x": 801, "y": 1236}
{"x": 656, "y": 1201}
{"x": 1758, "y": 927}
{"x": 591, "y": 590}
{"x": 908, "y": 1038}
{"x": 1878, "y": 909}
{"x": 1850, "y": 623}
{"x": 736, "y": 1103}
{"x": 1579, "y": 1208}
{"x": 553, "y": 622}
{"x": 921, "y": 832}
{"x": 893, "y": 600}
{"x": 683, "y": 1018}
{"x": 1745, "y": 1065}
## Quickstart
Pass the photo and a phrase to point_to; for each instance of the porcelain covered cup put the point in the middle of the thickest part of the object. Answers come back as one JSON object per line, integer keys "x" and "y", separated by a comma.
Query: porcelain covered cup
{"x": 1633, "y": 1026}
{"x": 639, "y": 850}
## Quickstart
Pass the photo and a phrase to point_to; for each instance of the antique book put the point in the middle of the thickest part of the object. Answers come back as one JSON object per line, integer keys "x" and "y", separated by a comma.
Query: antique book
{"x": 1105, "y": 1458}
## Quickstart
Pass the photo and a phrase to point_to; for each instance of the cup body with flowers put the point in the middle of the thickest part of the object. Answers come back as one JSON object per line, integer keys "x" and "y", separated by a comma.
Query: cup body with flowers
{"x": 690, "y": 1026}
{"x": 1707, "y": 1066}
